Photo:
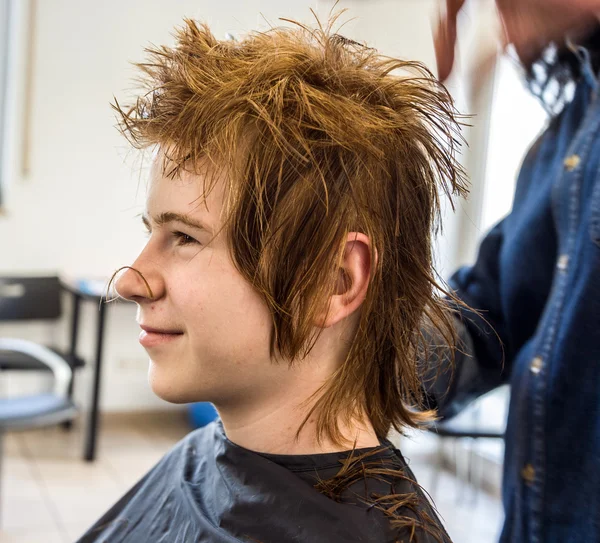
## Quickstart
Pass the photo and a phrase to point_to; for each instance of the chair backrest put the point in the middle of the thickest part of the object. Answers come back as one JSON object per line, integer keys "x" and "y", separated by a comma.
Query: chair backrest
{"x": 30, "y": 298}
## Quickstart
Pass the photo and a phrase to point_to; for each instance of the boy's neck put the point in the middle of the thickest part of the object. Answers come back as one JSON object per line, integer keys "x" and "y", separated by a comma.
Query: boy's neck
{"x": 267, "y": 419}
{"x": 273, "y": 429}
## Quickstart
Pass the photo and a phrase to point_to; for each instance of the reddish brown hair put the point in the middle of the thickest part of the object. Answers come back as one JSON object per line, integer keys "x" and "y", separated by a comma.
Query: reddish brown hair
{"x": 319, "y": 136}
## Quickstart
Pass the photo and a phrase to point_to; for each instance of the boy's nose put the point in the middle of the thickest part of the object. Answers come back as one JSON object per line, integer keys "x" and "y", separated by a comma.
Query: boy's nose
{"x": 137, "y": 286}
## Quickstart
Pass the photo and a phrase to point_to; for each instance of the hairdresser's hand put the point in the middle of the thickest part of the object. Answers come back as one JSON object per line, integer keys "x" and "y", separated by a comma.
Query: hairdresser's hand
{"x": 529, "y": 25}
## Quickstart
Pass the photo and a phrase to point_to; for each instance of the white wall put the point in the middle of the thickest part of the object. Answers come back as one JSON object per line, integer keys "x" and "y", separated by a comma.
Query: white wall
{"x": 75, "y": 211}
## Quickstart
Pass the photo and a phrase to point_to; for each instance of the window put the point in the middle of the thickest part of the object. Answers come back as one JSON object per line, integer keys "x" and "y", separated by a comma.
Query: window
{"x": 4, "y": 43}
{"x": 516, "y": 119}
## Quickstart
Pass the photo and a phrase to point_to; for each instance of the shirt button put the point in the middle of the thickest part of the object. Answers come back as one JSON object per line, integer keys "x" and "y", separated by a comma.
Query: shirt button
{"x": 571, "y": 162}
{"x": 563, "y": 262}
{"x": 536, "y": 365}
{"x": 528, "y": 474}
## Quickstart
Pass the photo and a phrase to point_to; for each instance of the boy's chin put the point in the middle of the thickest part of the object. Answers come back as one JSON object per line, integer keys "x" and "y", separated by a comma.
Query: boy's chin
{"x": 169, "y": 389}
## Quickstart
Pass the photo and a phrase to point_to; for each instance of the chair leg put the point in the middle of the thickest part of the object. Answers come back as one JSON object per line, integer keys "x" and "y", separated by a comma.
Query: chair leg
{"x": 462, "y": 463}
{"x": 475, "y": 475}
{"x": 437, "y": 469}
{"x": 68, "y": 424}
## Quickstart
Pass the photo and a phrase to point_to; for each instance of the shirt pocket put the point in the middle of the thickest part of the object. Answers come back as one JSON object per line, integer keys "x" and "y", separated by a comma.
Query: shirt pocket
{"x": 595, "y": 222}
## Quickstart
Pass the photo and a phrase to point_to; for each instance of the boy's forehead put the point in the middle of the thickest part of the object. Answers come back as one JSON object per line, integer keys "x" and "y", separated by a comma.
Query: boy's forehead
{"x": 186, "y": 192}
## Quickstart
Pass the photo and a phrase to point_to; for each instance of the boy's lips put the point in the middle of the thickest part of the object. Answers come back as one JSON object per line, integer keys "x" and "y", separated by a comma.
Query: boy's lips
{"x": 151, "y": 336}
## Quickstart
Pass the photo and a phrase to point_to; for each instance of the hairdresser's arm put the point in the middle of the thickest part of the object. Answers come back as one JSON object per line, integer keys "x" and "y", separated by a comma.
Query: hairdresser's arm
{"x": 479, "y": 364}
{"x": 528, "y": 25}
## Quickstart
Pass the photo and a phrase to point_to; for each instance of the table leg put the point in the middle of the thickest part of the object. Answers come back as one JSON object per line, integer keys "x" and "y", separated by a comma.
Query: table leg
{"x": 92, "y": 427}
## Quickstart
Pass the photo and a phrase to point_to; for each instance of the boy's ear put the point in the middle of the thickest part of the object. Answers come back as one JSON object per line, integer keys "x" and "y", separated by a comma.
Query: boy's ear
{"x": 353, "y": 280}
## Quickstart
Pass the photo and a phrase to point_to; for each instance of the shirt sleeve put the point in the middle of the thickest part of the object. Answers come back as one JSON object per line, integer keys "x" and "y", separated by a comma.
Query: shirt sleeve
{"x": 479, "y": 363}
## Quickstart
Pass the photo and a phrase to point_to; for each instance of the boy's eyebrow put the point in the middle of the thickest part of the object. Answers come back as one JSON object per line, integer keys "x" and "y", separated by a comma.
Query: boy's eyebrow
{"x": 170, "y": 216}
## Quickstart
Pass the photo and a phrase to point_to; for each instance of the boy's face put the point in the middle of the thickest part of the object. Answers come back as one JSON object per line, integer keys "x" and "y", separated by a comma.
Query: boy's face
{"x": 216, "y": 345}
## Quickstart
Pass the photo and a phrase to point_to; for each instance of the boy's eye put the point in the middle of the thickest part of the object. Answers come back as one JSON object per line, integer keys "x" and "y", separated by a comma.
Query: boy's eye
{"x": 184, "y": 239}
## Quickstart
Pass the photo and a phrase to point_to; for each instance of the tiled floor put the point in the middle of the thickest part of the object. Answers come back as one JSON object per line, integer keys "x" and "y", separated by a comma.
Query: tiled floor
{"x": 50, "y": 495}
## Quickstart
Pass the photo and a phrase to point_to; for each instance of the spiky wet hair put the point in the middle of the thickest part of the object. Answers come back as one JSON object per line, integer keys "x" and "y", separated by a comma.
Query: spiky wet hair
{"x": 318, "y": 136}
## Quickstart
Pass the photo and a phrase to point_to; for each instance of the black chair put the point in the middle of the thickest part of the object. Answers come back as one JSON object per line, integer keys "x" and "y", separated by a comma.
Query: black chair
{"x": 38, "y": 410}
{"x": 33, "y": 299}
{"x": 466, "y": 427}
{"x": 24, "y": 299}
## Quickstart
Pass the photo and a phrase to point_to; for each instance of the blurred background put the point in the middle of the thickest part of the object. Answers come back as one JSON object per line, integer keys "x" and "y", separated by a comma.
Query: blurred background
{"x": 70, "y": 196}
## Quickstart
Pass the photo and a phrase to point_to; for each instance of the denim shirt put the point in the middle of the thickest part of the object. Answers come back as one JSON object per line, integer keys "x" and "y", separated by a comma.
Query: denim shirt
{"x": 536, "y": 281}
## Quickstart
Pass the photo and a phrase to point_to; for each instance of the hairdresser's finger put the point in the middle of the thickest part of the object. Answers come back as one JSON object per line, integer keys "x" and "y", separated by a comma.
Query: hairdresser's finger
{"x": 529, "y": 25}
{"x": 445, "y": 38}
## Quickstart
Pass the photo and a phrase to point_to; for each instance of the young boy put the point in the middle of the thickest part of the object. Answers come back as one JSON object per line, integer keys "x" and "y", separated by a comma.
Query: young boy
{"x": 287, "y": 273}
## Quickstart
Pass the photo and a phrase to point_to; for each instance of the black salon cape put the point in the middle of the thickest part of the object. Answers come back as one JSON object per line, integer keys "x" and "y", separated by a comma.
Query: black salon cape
{"x": 208, "y": 489}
